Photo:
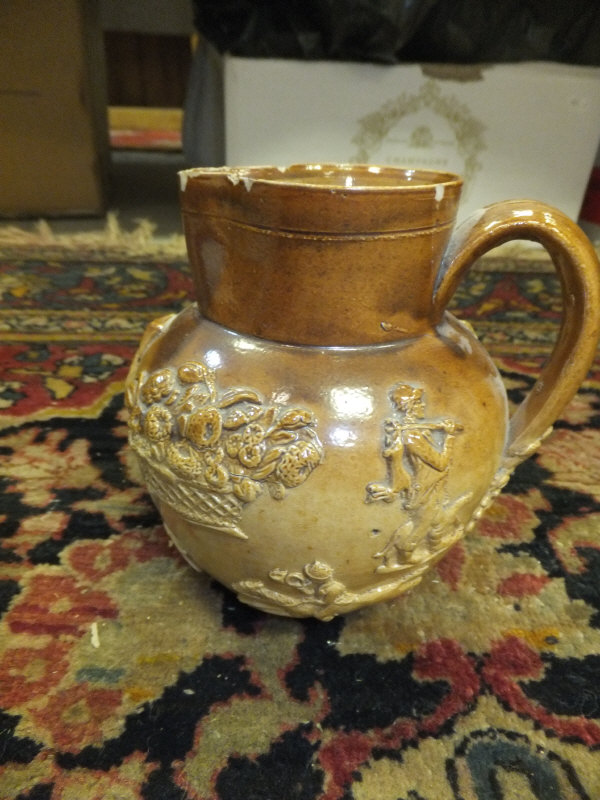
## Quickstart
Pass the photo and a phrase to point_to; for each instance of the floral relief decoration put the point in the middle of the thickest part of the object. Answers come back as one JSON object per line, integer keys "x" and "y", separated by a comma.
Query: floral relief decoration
{"x": 207, "y": 452}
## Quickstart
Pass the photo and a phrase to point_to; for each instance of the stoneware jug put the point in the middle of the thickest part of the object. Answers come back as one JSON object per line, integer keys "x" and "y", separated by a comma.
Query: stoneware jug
{"x": 317, "y": 429}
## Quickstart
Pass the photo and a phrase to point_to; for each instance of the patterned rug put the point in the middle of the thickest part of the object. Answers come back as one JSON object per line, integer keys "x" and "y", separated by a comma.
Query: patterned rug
{"x": 124, "y": 674}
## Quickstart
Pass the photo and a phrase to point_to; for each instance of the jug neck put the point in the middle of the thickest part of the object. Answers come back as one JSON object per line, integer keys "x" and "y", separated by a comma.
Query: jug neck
{"x": 317, "y": 254}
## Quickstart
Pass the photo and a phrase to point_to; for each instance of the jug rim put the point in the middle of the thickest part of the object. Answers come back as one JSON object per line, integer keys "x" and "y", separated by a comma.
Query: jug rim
{"x": 329, "y": 176}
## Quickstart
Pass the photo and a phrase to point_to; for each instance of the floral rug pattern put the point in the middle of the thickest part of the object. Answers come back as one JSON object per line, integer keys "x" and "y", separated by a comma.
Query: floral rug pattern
{"x": 126, "y": 675}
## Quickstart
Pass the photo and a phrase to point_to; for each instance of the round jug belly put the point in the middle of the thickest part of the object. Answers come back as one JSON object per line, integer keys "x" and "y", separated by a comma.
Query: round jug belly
{"x": 314, "y": 480}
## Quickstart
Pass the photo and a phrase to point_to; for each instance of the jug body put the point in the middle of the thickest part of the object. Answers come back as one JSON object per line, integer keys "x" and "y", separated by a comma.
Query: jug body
{"x": 314, "y": 480}
{"x": 317, "y": 430}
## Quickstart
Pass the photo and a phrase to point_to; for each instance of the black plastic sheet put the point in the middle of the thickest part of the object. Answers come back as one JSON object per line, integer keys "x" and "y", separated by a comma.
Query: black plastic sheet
{"x": 396, "y": 31}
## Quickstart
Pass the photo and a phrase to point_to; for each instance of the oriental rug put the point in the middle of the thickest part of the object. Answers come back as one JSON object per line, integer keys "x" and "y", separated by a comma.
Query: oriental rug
{"x": 125, "y": 675}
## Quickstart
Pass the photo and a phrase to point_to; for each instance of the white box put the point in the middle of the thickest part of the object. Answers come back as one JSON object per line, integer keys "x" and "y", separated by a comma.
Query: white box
{"x": 527, "y": 130}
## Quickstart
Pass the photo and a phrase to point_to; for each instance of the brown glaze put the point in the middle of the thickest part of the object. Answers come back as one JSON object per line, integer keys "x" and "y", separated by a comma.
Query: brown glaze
{"x": 318, "y": 430}
{"x": 339, "y": 255}
{"x": 577, "y": 265}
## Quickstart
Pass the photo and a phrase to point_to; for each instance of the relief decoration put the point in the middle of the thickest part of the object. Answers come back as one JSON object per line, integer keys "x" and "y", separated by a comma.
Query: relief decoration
{"x": 208, "y": 452}
{"x": 312, "y": 590}
{"x": 418, "y": 454}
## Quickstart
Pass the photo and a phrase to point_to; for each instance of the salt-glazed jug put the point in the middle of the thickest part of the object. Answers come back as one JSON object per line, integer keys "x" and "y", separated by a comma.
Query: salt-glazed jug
{"x": 317, "y": 429}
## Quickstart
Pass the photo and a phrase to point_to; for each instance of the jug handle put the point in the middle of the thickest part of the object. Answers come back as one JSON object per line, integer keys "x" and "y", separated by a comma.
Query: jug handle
{"x": 577, "y": 265}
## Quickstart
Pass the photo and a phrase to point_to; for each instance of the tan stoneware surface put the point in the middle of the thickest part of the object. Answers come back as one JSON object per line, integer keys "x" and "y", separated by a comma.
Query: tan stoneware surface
{"x": 317, "y": 429}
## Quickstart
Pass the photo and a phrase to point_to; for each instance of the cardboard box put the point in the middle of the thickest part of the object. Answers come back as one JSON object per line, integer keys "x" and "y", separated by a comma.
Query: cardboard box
{"x": 53, "y": 130}
{"x": 527, "y": 130}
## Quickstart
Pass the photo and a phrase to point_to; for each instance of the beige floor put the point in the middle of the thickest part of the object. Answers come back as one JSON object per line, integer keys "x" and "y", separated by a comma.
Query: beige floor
{"x": 144, "y": 185}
